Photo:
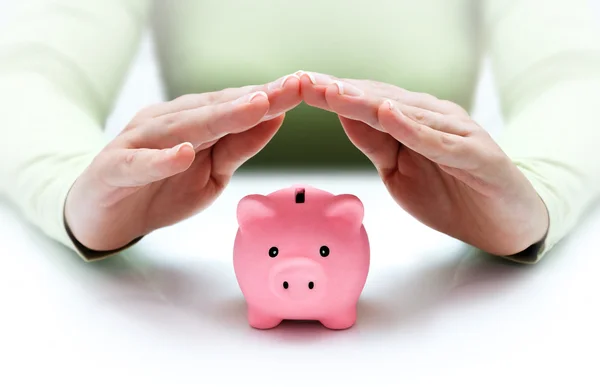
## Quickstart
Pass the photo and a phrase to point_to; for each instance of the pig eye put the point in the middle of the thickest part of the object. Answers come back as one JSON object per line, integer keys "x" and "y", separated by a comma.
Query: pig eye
{"x": 273, "y": 251}
{"x": 324, "y": 251}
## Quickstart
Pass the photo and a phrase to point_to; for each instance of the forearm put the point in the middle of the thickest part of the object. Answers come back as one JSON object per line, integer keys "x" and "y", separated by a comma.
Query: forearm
{"x": 46, "y": 143}
{"x": 61, "y": 66}
{"x": 546, "y": 60}
{"x": 555, "y": 142}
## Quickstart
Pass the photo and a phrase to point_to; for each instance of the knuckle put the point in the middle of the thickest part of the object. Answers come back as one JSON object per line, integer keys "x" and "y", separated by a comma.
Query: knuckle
{"x": 209, "y": 124}
{"x": 415, "y": 135}
{"x": 447, "y": 145}
{"x": 214, "y": 97}
{"x": 172, "y": 126}
{"x": 429, "y": 119}
{"x": 210, "y": 128}
{"x": 420, "y": 116}
{"x": 171, "y": 122}
{"x": 131, "y": 159}
{"x": 450, "y": 142}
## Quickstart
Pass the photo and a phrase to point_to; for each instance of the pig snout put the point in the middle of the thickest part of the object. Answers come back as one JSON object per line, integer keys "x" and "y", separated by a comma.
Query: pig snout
{"x": 298, "y": 279}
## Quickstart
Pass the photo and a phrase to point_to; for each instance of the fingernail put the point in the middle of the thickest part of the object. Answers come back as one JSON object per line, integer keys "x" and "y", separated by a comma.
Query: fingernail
{"x": 345, "y": 88}
{"x": 280, "y": 83}
{"x": 250, "y": 97}
{"x": 300, "y": 73}
{"x": 389, "y": 104}
{"x": 317, "y": 78}
{"x": 174, "y": 151}
{"x": 272, "y": 116}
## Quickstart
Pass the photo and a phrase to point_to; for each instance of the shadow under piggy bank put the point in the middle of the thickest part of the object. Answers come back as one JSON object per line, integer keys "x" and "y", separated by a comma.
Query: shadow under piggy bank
{"x": 198, "y": 298}
{"x": 234, "y": 315}
{"x": 405, "y": 298}
{"x": 398, "y": 299}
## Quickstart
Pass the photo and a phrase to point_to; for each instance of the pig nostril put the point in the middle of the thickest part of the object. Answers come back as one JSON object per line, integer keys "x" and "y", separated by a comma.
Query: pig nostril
{"x": 285, "y": 285}
{"x": 311, "y": 285}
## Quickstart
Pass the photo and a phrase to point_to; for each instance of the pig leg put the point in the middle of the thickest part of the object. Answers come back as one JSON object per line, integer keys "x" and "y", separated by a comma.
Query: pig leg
{"x": 341, "y": 319}
{"x": 259, "y": 320}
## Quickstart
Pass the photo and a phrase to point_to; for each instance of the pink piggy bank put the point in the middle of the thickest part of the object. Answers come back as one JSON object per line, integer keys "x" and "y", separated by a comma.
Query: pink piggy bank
{"x": 301, "y": 253}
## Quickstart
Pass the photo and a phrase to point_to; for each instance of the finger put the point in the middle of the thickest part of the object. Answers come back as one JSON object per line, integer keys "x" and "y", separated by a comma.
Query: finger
{"x": 440, "y": 147}
{"x": 438, "y": 121}
{"x": 350, "y": 102}
{"x": 201, "y": 125}
{"x": 283, "y": 94}
{"x": 380, "y": 148}
{"x": 235, "y": 149}
{"x": 411, "y": 98}
{"x": 313, "y": 86}
{"x": 139, "y": 167}
{"x": 427, "y": 102}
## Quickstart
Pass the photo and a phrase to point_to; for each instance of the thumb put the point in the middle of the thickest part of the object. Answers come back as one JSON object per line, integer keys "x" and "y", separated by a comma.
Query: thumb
{"x": 139, "y": 167}
{"x": 379, "y": 147}
{"x": 232, "y": 151}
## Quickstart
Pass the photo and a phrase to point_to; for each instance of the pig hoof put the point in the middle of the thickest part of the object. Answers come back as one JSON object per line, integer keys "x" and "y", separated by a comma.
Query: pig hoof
{"x": 265, "y": 323}
{"x": 261, "y": 321}
{"x": 342, "y": 321}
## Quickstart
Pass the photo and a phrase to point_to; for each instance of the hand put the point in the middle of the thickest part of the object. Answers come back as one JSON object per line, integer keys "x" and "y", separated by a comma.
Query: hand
{"x": 437, "y": 163}
{"x": 172, "y": 161}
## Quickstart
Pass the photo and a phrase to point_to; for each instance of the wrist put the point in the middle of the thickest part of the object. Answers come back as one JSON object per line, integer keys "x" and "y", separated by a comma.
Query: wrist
{"x": 532, "y": 222}
{"x": 91, "y": 232}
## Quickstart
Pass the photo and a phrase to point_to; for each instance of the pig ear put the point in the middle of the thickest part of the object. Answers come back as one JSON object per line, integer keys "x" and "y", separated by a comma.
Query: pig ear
{"x": 348, "y": 208}
{"x": 253, "y": 207}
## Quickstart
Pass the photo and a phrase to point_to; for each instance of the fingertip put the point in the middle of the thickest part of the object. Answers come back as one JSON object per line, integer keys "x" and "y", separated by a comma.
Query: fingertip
{"x": 396, "y": 124}
{"x": 343, "y": 95}
{"x": 387, "y": 113}
{"x": 182, "y": 154}
{"x": 275, "y": 118}
{"x": 313, "y": 95}
{"x": 256, "y": 108}
{"x": 180, "y": 148}
{"x": 258, "y": 95}
{"x": 333, "y": 91}
{"x": 251, "y": 99}
{"x": 305, "y": 80}
{"x": 260, "y": 99}
{"x": 305, "y": 76}
{"x": 305, "y": 85}
{"x": 292, "y": 91}
{"x": 291, "y": 82}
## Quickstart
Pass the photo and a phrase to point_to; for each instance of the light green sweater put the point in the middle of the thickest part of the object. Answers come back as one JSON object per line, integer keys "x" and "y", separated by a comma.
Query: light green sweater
{"x": 62, "y": 63}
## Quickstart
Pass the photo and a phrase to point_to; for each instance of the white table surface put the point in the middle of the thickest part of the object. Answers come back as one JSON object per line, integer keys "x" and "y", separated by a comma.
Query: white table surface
{"x": 169, "y": 312}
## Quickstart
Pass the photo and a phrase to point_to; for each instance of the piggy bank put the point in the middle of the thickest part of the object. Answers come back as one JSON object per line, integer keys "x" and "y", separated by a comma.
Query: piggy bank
{"x": 301, "y": 253}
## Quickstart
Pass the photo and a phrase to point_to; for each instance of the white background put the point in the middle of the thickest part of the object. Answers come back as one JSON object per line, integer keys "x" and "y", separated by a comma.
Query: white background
{"x": 169, "y": 312}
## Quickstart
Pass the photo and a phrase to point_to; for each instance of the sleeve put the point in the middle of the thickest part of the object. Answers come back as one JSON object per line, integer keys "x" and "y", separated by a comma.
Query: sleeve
{"x": 62, "y": 63}
{"x": 545, "y": 57}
